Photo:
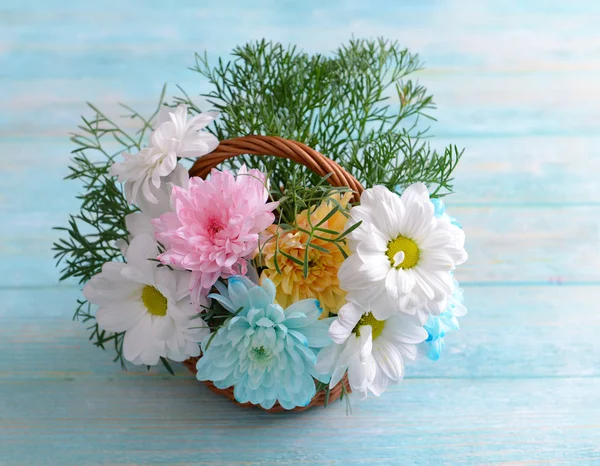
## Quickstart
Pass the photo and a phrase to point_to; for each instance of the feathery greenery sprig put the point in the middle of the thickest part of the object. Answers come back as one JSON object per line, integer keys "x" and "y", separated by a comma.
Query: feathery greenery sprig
{"x": 341, "y": 105}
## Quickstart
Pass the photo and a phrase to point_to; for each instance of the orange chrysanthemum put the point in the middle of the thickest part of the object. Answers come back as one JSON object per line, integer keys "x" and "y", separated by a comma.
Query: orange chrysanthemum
{"x": 322, "y": 281}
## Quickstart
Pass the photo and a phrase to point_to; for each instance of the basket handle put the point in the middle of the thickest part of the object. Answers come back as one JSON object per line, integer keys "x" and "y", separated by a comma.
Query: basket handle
{"x": 278, "y": 147}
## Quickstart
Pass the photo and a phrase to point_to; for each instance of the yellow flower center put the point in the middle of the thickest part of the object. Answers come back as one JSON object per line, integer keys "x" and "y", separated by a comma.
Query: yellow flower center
{"x": 154, "y": 301}
{"x": 403, "y": 253}
{"x": 369, "y": 319}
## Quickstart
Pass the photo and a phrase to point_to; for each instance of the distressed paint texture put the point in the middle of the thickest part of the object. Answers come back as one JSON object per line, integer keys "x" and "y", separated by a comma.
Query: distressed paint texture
{"x": 516, "y": 84}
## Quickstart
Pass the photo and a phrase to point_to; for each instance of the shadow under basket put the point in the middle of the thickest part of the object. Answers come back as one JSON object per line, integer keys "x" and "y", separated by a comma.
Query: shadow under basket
{"x": 318, "y": 400}
{"x": 274, "y": 146}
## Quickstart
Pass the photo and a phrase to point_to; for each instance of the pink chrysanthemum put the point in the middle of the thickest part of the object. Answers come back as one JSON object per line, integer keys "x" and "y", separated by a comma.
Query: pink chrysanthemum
{"x": 215, "y": 226}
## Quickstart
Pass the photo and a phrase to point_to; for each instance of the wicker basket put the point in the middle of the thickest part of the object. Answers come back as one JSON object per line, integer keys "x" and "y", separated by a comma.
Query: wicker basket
{"x": 316, "y": 162}
{"x": 320, "y": 398}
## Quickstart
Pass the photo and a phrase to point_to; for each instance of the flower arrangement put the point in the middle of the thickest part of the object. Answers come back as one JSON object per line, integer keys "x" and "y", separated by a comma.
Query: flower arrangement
{"x": 289, "y": 247}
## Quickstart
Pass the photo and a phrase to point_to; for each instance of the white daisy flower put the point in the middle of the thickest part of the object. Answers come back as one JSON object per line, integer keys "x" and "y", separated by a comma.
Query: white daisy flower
{"x": 175, "y": 136}
{"x": 402, "y": 255}
{"x": 150, "y": 304}
{"x": 371, "y": 350}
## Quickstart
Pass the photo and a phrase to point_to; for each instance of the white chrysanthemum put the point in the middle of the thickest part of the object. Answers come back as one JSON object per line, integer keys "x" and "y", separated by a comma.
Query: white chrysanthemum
{"x": 178, "y": 177}
{"x": 371, "y": 350}
{"x": 150, "y": 304}
{"x": 175, "y": 136}
{"x": 402, "y": 255}
{"x": 138, "y": 223}
{"x": 178, "y": 136}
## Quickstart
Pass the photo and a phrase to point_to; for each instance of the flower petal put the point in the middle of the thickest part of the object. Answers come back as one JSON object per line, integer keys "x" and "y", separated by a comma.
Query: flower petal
{"x": 309, "y": 307}
{"x": 120, "y": 317}
{"x": 348, "y": 317}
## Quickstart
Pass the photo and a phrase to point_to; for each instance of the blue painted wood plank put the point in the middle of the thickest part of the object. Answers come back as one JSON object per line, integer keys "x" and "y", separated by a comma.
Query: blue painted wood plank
{"x": 520, "y": 202}
{"x": 421, "y": 422}
{"x": 527, "y": 171}
{"x": 509, "y": 244}
{"x": 545, "y": 89}
{"x": 509, "y": 332}
{"x": 533, "y": 109}
{"x": 520, "y": 382}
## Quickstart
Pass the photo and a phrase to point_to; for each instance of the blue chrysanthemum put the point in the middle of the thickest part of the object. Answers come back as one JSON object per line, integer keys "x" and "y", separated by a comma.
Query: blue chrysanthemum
{"x": 440, "y": 211}
{"x": 265, "y": 352}
{"x": 438, "y": 326}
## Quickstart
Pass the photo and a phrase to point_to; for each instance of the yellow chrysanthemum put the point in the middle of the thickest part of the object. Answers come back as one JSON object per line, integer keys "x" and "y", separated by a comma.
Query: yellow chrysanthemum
{"x": 322, "y": 281}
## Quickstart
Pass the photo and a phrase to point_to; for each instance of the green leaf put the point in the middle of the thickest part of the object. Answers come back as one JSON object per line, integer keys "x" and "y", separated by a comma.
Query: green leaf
{"x": 319, "y": 248}
{"x": 349, "y": 230}
{"x": 305, "y": 263}
{"x": 331, "y": 213}
{"x": 325, "y": 230}
{"x": 167, "y": 365}
{"x": 210, "y": 339}
{"x": 276, "y": 261}
{"x": 292, "y": 258}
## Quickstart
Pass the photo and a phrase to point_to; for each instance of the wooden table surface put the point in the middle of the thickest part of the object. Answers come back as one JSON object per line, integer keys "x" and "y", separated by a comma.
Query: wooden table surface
{"x": 517, "y": 83}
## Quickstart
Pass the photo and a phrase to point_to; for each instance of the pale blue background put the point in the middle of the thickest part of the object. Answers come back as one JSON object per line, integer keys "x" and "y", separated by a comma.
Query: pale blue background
{"x": 517, "y": 84}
